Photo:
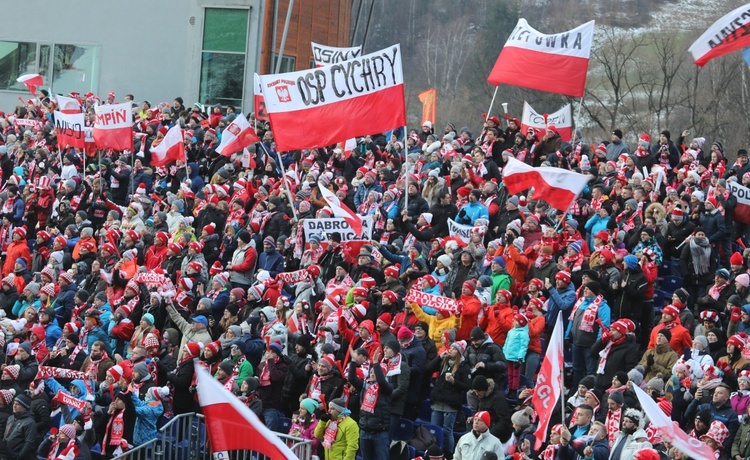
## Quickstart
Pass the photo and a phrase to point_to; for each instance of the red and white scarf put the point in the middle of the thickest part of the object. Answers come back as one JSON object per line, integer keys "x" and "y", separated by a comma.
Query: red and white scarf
{"x": 265, "y": 376}
{"x": 604, "y": 354}
{"x": 589, "y": 316}
{"x": 115, "y": 430}
{"x": 329, "y": 436}
{"x": 370, "y": 398}
{"x": 629, "y": 223}
{"x": 92, "y": 370}
{"x": 70, "y": 452}
{"x": 316, "y": 385}
{"x": 394, "y": 365}
{"x": 613, "y": 425}
{"x": 715, "y": 291}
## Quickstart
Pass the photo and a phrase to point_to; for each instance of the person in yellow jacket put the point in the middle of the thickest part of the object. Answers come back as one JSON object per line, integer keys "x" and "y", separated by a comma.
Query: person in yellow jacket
{"x": 442, "y": 321}
{"x": 338, "y": 432}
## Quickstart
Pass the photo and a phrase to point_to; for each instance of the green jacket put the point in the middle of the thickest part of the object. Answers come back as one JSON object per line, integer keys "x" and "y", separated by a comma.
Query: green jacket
{"x": 346, "y": 445}
{"x": 741, "y": 444}
{"x": 500, "y": 280}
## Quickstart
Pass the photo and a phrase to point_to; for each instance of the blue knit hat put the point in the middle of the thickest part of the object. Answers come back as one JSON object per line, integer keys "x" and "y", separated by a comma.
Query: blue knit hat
{"x": 630, "y": 261}
{"x": 575, "y": 246}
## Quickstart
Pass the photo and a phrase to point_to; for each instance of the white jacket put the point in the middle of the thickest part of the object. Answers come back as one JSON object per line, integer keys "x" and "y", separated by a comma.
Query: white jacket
{"x": 471, "y": 447}
{"x": 633, "y": 443}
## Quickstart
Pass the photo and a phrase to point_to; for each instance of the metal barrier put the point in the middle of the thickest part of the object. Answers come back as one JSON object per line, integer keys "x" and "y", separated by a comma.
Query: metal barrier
{"x": 184, "y": 438}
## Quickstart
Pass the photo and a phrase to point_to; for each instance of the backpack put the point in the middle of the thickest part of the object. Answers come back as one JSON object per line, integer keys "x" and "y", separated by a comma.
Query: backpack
{"x": 399, "y": 451}
{"x": 422, "y": 439}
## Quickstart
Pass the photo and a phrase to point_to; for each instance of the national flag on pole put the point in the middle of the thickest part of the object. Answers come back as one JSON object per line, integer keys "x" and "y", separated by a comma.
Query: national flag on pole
{"x": 32, "y": 81}
{"x": 340, "y": 210}
{"x": 429, "y": 105}
{"x": 238, "y": 135}
{"x": 670, "y": 431}
{"x": 528, "y": 56}
{"x": 171, "y": 148}
{"x": 68, "y": 104}
{"x": 347, "y": 147}
{"x": 259, "y": 103}
{"x": 725, "y": 36}
{"x": 557, "y": 186}
{"x": 742, "y": 209}
{"x": 231, "y": 425}
{"x": 320, "y": 107}
{"x": 325, "y": 55}
{"x": 113, "y": 128}
{"x": 562, "y": 120}
{"x": 69, "y": 129}
{"x": 549, "y": 383}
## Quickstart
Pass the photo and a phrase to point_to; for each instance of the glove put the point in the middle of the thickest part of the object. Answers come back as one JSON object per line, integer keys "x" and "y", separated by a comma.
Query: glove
{"x": 686, "y": 354}
{"x": 735, "y": 316}
{"x": 509, "y": 238}
{"x": 606, "y": 336}
{"x": 325, "y": 417}
{"x": 650, "y": 360}
{"x": 724, "y": 366}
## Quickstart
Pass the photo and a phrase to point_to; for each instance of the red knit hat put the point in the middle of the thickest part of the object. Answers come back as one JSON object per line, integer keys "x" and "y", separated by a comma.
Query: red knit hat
{"x": 484, "y": 416}
{"x": 671, "y": 310}
{"x": 736, "y": 259}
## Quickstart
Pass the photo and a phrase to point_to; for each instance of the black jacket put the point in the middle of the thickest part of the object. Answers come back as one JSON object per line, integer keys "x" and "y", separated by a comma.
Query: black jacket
{"x": 20, "y": 440}
{"x": 380, "y": 419}
{"x": 494, "y": 402}
{"x": 493, "y": 358}
{"x": 182, "y": 379}
{"x": 622, "y": 356}
{"x": 444, "y": 392}
{"x": 629, "y": 299}
{"x": 676, "y": 236}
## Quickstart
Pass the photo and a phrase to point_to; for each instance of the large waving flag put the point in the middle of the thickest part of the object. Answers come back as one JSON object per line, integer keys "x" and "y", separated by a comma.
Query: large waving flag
{"x": 557, "y": 186}
{"x": 549, "y": 382}
{"x": 113, "y": 128}
{"x": 562, "y": 120}
{"x": 32, "y": 81}
{"x": 171, "y": 148}
{"x": 231, "y": 425}
{"x": 742, "y": 210}
{"x": 69, "y": 129}
{"x": 726, "y": 35}
{"x": 320, "y": 107}
{"x": 238, "y": 135}
{"x": 340, "y": 210}
{"x": 669, "y": 431}
{"x": 528, "y": 56}
{"x": 68, "y": 104}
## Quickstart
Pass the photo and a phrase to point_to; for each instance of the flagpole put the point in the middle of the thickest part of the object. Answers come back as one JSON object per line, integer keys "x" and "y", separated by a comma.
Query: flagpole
{"x": 565, "y": 215}
{"x": 578, "y": 114}
{"x": 84, "y": 163}
{"x": 406, "y": 173}
{"x": 492, "y": 102}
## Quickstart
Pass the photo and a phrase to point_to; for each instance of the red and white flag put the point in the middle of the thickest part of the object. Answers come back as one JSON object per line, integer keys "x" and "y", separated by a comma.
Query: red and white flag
{"x": 742, "y": 193}
{"x": 562, "y": 120}
{"x": 320, "y": 107}
{"x": 259, "y": 103}
{"x": 238, "y": 135}
{"x": 347, "y": 147}
{"x": 557, "y": 186}
{"x": 68, "y": 104}
{"x": 549, "y": 382}
{"x": 113, "y": 128}
{"x": 171, "y": 148}
{"x": 32, "y": 81}
{"x": 669, "y": 431}
{"x": 69, "y": 129}
{"x": 324, "y": 55}
{"x": 726, "y": 35}
{"x": 340, "y": 210}
{"x": 231, "y": 425}
{"x": 528, "y": 56}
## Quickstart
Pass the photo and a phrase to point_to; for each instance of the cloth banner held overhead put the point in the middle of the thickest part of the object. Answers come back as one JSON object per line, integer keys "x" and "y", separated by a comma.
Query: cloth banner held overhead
{"x": 728, "y": 34}
{"x": 460, "y": 230}
{"x": 113, "y": 128}
{"x": 562, "y": 120}
{"x": 528, "y": 56}
{"x": 69, "y": 130}
{"x": 320, "y": 107}
{"x": 549, "y": 382}
{"x": 429, "y": 105}
{"x": 424, "y": 299}
{"x": 742, "y": 193}
{"x": 32, "y": 81}
{"x": 35, "y": 125}
{"x": 339, "y": 225}
{"x": 324, "y": 55}
{"x": 556, "y": 186}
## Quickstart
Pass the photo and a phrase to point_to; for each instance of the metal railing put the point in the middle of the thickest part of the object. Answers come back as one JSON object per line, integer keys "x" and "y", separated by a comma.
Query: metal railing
{"x": 184, "y": 438}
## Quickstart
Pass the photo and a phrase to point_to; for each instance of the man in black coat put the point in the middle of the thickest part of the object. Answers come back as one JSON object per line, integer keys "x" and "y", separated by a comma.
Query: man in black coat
{"x": 278, "y": 221}
{"x": 20, "y": 438}
{"x": 486, "y": 396}
{"x": 623, "y": 354}
{"x": 485, "y": 357}
{"x": 441, "y": 211}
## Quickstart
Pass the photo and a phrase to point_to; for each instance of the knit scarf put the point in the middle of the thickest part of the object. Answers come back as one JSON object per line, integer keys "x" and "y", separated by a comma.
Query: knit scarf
{"x": 315, "y": 385}
{"x": 70, "y": 452}
{"x": 700, "y": 251}
{"x": 394, "y": 365}
{"x": 329, "y": 437}
{"x": 542, "y": 260}
{"x": 715, "y": 291}
{"x": 265, "y": 376}
{"x": 641, "y": 152}
{"x": 92, "y": 370}
{"x": 574, "y": 262}
{"x": 613, "y": 425}
{"x": 629, "y": 223}
{"x": 708, "y": 385}
{"x": 370, "y": 398}
{"x": 604, "y": 354}
{"x": 115, "y": 430}
{"x": 589, "y": 316}
{"x": 550, "y": 453}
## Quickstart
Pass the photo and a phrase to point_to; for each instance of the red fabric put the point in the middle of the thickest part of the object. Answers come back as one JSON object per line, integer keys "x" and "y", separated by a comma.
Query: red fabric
{"x": 16, "y": 249}
{"x": 470, "y": 307}
{"x": 681, "y": 338}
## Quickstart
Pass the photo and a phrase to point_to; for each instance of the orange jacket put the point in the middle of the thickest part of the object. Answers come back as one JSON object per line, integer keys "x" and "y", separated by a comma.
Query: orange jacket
{"x": 516, "y": 262}
{"x": 470, "y": 308}
{"x": 498, "y": 322}
{"x": 536, "y": 327}
{"x": 681, "y": 338}
{"x": 16, "y": 250}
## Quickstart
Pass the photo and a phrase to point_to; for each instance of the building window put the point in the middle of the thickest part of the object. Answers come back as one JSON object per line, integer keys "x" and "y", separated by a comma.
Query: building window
{"x": 287, "y": 64}
{"x": 71, "y": 67}
{"x": 223, "y": 56}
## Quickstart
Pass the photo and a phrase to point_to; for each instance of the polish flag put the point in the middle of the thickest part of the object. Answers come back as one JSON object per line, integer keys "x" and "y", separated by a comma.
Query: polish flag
{"x": 171, "y": 148}
{"x": 669, "y": 431}
{"x": 742, "y": 210}
{"x": 340, "y": 210}
{"x": 549, "y": 383}
{"x": 259, "y": 103}
{"x": 69, "y": 129}
{"x": 231, "y": 425}
{"x": 32, "y": 81}
{"x": 726, "y": 35}
{"x": 113, "y": 128}
{"x": 68, "y": 104}
{"x": 347, "y": 147}
{"x": 319, "y": 107}
{"x": 238, "y": 135}
{"x": 557, "y": 186}
{"x": 528, "y": 56}
{"x": 562, "y": 120}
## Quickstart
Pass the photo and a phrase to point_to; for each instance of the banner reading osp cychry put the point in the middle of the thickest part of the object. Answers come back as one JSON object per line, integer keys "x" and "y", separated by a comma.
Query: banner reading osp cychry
{"x": 324, "y": 55}
{"x": 742, "y": 210}
{"x": 562, "y": 120}
{"x": 528, "y": 56}
{"x": 69, "y": 130}
{"x": 339, "y": 225}
{"x": 424, "y": 299}
{"x": 320, "y": 107}
{"x": 728, "y": 34}
{"x": 113, "y": 128}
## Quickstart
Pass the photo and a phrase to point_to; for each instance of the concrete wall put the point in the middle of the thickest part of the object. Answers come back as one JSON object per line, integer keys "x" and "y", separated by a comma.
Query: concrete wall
{"x": 146, "y": 47}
